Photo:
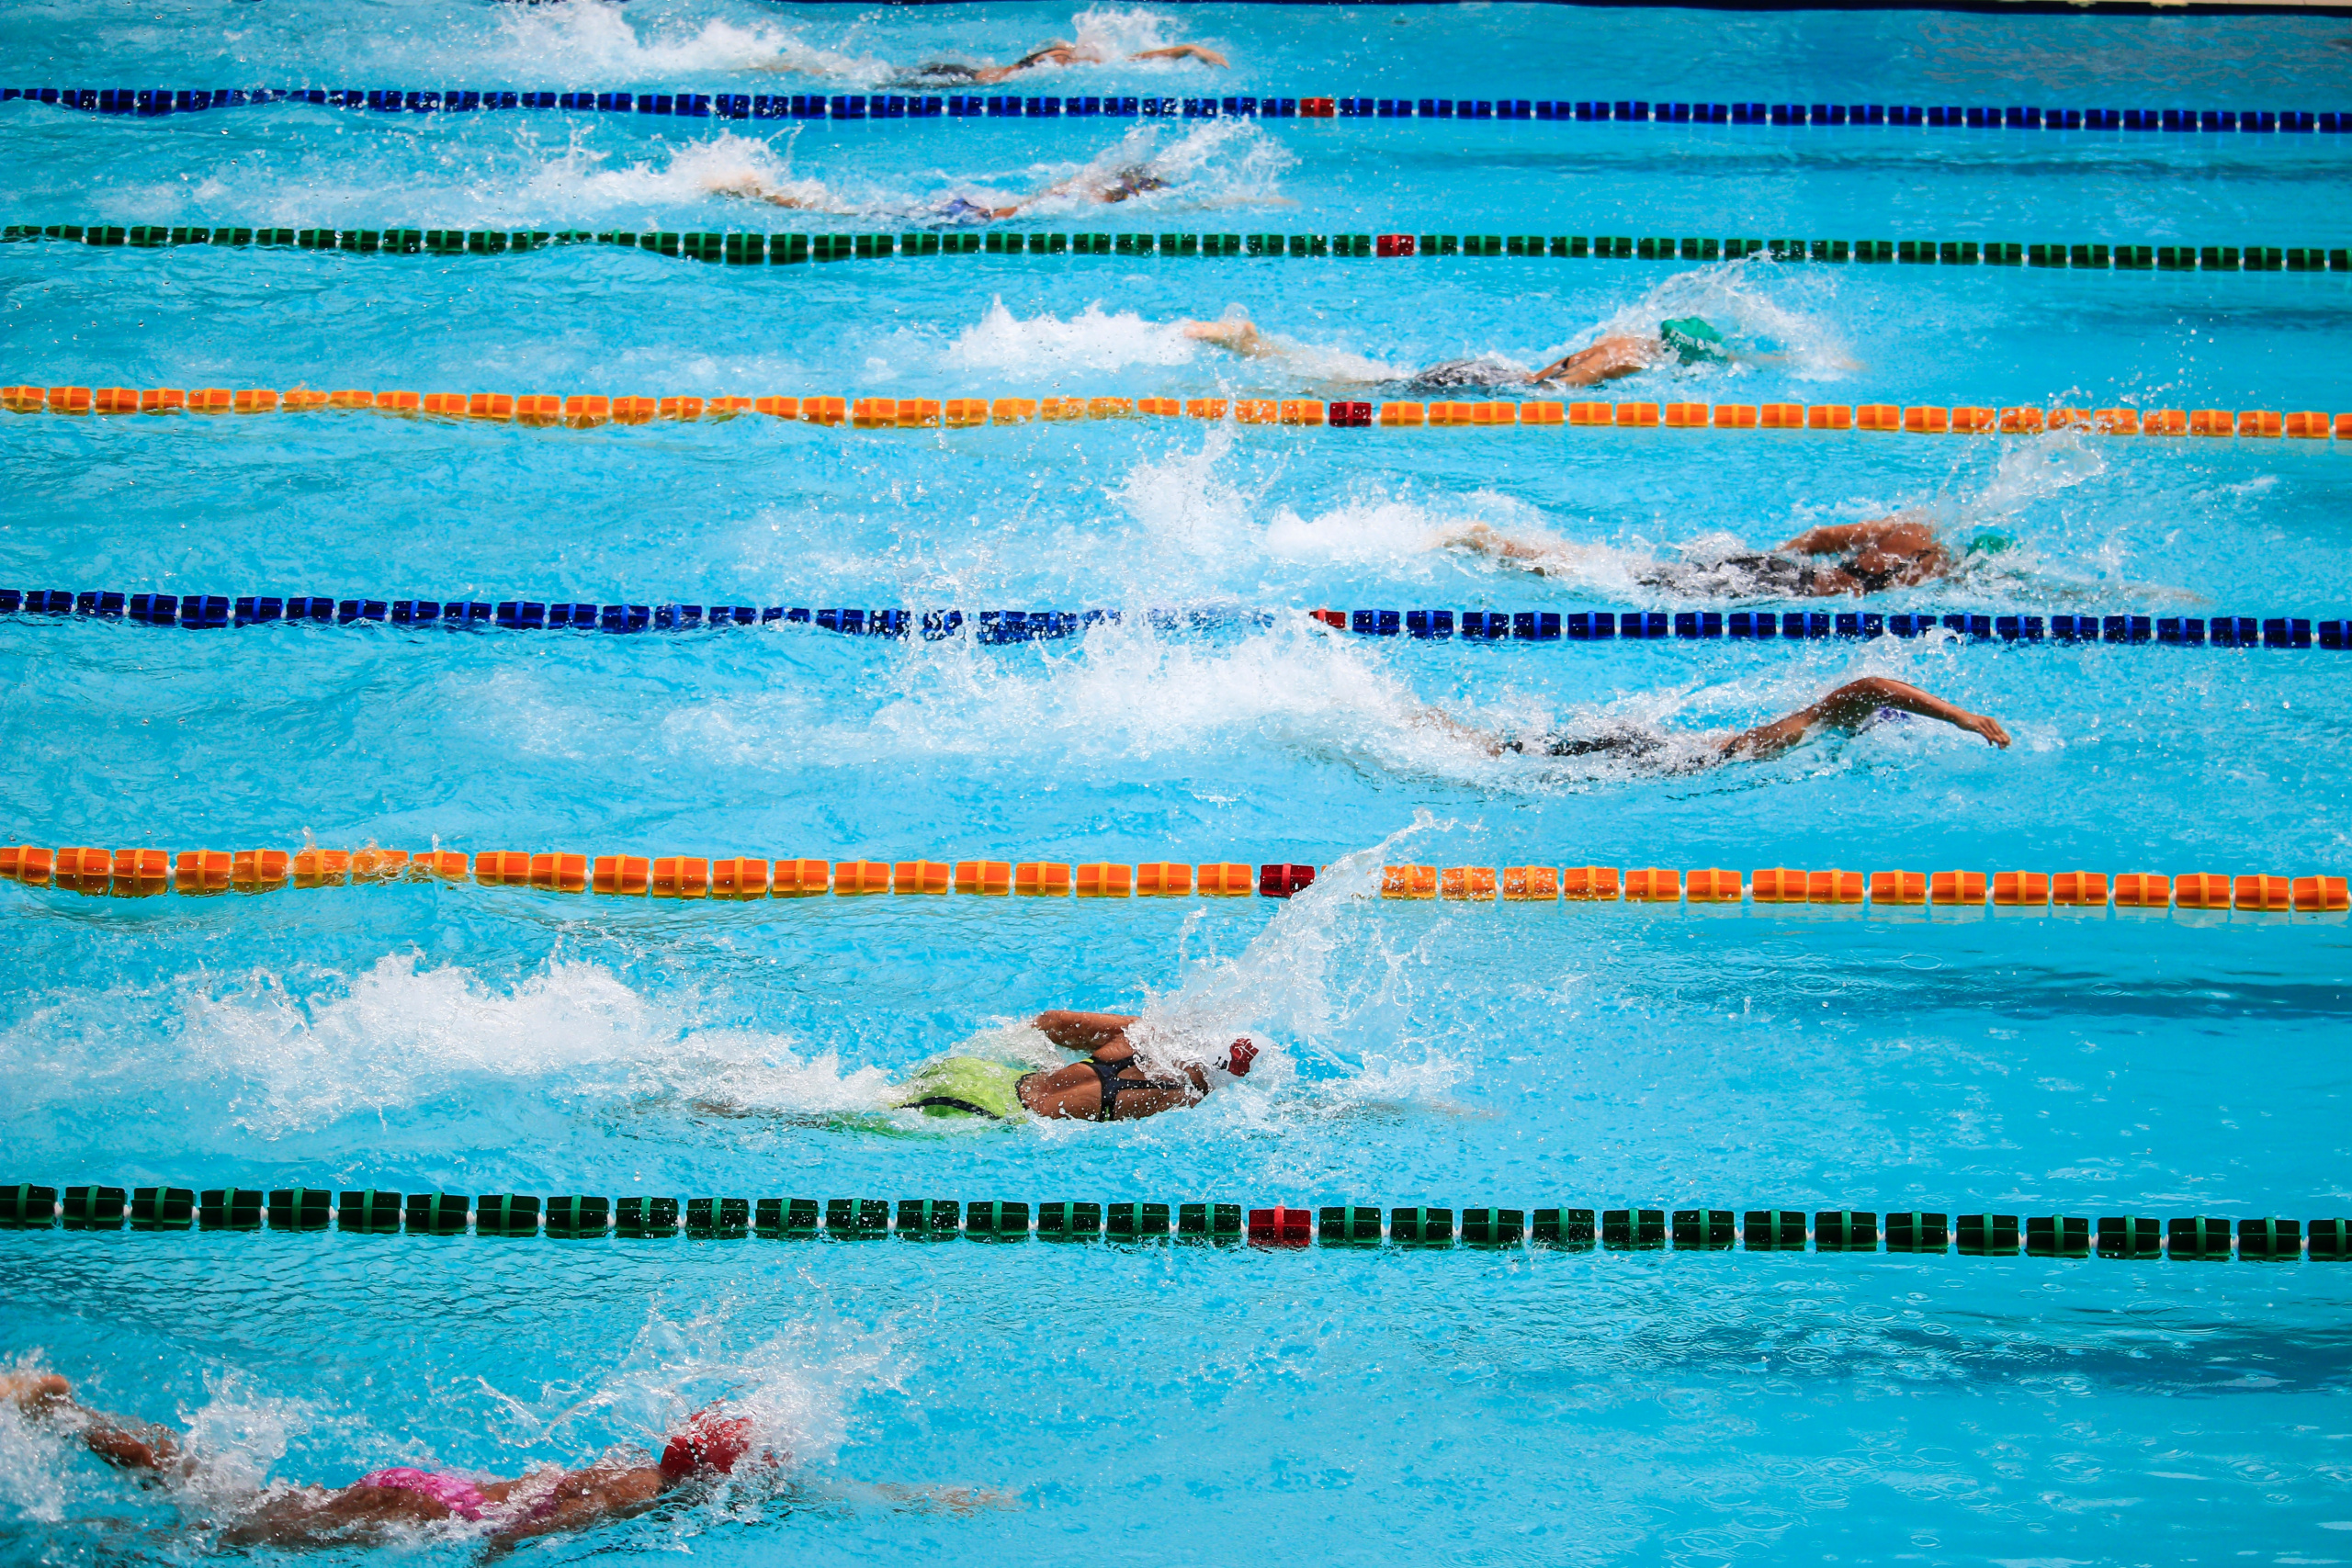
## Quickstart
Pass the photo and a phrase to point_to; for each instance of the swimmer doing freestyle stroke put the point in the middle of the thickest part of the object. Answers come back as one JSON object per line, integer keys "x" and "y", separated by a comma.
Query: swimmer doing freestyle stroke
{"x": 1119, "y": 185}
{"x": 1686, "y": 340}
{"x": 1846, "y": 710}
{"x": 1839, "y": 559}
{"x": 1052, "y": 52}
{"x": 707, "y": 1447}
{"x": 1113, "y": 1084}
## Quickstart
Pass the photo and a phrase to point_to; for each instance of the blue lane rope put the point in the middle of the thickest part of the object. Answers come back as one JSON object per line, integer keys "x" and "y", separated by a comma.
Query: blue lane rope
{"x": 197, "y": 612}
{"x": 161, "y": 101}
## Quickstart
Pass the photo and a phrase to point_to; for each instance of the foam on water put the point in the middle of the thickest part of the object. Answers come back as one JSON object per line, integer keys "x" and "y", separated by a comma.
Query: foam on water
{"x": 1760, "y": 305}
{"x": 1218, "y": 165}
{"x": 250, "y": 1060}
{"x": 1092, "y": 339}
{"x": 594, "y": 43}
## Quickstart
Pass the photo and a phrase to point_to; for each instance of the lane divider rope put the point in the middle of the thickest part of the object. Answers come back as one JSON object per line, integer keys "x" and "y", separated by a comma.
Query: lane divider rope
{"x": 589, "y": 410}
{"x": 744, "y": 248}
{"x": 156, "y": 103}
{"x": 580, "y": 1217}
{"x": 143, "y": 873}
{"x": 210, "y": 612}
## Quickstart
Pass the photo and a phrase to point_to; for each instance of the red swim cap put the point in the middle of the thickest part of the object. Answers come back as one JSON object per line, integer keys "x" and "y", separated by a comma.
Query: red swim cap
{"x": 1244, "y": 1053}
{"x": 707, "y": 1442}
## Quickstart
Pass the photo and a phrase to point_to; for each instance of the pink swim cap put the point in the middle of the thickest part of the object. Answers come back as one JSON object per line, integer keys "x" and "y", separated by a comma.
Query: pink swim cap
{"x": 707, "y": 1442}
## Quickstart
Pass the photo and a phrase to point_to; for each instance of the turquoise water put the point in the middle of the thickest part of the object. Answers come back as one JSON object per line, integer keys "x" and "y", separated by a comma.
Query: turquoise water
{"x": 1178, "y": 1405}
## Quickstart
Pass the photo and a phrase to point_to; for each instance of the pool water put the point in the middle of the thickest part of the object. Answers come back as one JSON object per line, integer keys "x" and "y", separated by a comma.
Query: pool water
{"x": 1179, "y": 1403}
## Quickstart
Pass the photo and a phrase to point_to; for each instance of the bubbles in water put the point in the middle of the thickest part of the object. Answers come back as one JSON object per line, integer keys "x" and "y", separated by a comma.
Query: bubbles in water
{"x": 1091, "y": 340}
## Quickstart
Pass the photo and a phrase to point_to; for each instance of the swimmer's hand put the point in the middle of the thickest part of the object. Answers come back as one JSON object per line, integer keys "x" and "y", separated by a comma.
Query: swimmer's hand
{"x": 1985, "y": 725}
{"x": 36, "y": 1393}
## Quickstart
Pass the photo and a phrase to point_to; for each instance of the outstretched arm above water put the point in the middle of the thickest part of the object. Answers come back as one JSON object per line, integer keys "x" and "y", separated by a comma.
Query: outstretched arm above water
{"x": 1103, "y": 1033}
{"x": 1843, "y": 711}
{"x": 1848, "y": 708}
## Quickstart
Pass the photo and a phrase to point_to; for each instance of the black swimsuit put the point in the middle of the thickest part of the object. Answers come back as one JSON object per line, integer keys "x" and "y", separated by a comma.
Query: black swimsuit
{"x": 1112, "y": 1083}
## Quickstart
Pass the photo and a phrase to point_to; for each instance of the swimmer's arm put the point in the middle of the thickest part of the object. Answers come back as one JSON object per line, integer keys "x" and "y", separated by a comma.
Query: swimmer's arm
{"x": 1242, "y": 338}
{"x": 1482, "y": 539}
{"x": 1182, "y": 51}
{"x": 1850, "y": 707}
{"x": 1604, "y": 361}
{"x": 1104, "y": 1033}
{"x": 1893, "y": 533}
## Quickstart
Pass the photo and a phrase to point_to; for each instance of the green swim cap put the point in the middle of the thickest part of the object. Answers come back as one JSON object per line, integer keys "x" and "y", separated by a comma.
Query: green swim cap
{"x": 1990, "y": 543}
{"x": 1692, "y": 340}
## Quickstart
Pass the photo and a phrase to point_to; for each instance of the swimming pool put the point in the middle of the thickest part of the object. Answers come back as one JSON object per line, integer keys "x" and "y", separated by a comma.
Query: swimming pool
{"x": 1178, "y": 1404}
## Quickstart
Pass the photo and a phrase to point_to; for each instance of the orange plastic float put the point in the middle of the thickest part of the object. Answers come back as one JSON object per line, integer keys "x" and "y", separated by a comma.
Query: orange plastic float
{"x": 739, "y": 876}
{"x": 1712, "y": 886}
{"x": 1041, "y": 879}
{"x": 1228, "y": 881}
{"x": 991, "y": 878}
{"x": 857, "y": 878}
{"x": 1164, "y": 879}
{"x": 1533, "y": 884}
{"x": 2200, "y": 892}
{"x": 622, "y": 876}
{"x": 260, "y": 871}
{"x": 557, "y": 872}
{"x": 1467, "y": 881}
{"x": 800, "y": 878}
{"x": 1105, "y": 879}
{"x": 1962, "y": 888}
{"x": 1654, "y": 885}
{"x": 1899, "y": 889}
{"x": 685, "y": 876}
{"x": 921, "y": 877}
{"x": 1408, "y": 882}
{"x": 198, "y": 873}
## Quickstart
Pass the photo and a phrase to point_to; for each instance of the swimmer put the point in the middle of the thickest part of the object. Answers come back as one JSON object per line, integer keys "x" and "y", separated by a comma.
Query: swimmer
{"x": 1111, "y": 1085}
{"x": 1052, "y": 52}
{"x": 1820, "y": 563}
{"x": 1686, "y": 341}
{"x": 706, "y": 1446}
{"x": 1124, "y": 184}
{"x": 1848, "y": 710}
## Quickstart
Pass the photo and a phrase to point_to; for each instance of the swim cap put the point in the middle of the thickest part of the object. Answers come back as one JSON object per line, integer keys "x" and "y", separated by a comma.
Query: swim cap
{"x": 1990, "y": 543}
{"x": 1237, "y": 1060}
{"x": 707, "y": 1442}
{"x": 1692, "y": 340}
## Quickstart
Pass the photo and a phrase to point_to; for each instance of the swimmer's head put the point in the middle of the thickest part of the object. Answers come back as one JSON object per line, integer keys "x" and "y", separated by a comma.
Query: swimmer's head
{"x": 1691, "y": 340}
{"x": 1991, "y": 542}
{"x": 1238, "y": 1057}
{"x": 708, "y": 1441}
{"x": 1132, "y": 181}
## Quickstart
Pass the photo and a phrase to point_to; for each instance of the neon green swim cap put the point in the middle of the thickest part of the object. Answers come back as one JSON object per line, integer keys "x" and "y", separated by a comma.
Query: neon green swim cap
{"x": 1692, "y": 340}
